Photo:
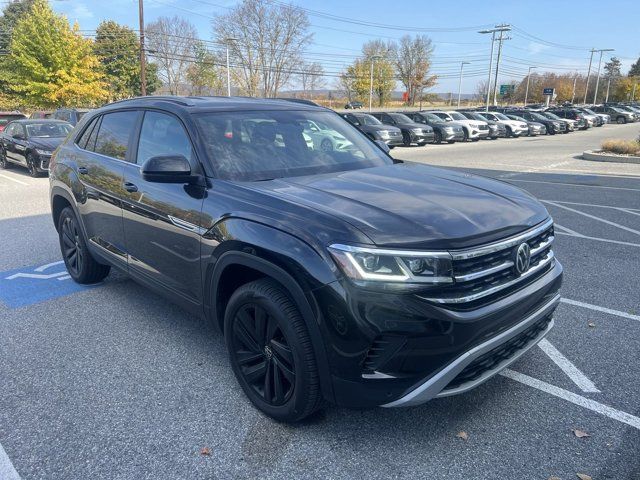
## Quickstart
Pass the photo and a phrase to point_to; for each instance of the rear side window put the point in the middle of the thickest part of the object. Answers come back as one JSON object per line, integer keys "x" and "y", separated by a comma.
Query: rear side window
{"x": 114, "y": 134}
{"x": 162, "y": 134}
{"x": 84, "y": 138}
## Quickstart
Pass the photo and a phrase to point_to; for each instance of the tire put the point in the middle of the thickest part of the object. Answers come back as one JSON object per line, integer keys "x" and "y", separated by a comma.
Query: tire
{"x": 451, "y": 141}
{"x": 270, "y": 351}
{"x": 509, "y": 132}
{"x": 438, "y": 138}
{"x": 465, "y": 135}
{"x": 32, "y": 166}
{"x": 83, "y": 268}
{"x": 326, "y": 145}
{"x": 4, "y": 163}
{"x": 621, "y": 120}
{"x": 406, "y": 139}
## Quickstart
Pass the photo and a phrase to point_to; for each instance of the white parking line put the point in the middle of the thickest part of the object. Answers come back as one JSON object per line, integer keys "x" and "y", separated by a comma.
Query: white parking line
{"x": 567, "y": 230}
{"x": 7, "y": 470}
{"x": 624, "y": 209}
{"x": 598, "y": 239}
{"x": 579, "y": 400}
{"x": 593, "y": 217}
{"x": 13, "y": 179}
{"x": 597, "y": 308}
{"x": 575, "y": 185}
{"x": 576, "y": 376}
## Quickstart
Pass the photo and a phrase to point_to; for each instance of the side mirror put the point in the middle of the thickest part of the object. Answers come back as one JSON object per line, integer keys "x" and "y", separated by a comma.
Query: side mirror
{"x": 168, "y": 169}
{"x": 383, "y": 146}
{"x": 19, "y": 136}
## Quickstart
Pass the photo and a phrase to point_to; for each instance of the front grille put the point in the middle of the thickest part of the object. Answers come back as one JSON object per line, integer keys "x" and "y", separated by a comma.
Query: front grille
{"x": 493, "y": 358}
{"x": 483, "y": 127}
{"x": 486, "y": 274}
{"x": 395, "y": 134}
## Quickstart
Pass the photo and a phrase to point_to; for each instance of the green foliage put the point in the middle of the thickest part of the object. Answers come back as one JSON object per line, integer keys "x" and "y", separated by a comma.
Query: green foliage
{"x": 203, "y": 75}
{"x": 50, "y": 64}
{"x": 357, "y": 77}
{"x": 118, "y": 50}
{"x": 635, "y": 69}
{"x": 12, "y": 13}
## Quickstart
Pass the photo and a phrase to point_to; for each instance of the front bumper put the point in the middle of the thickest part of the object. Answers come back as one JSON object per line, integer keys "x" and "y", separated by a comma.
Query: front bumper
{"x": 393, "y": 141}
{"x": 474, "y": 133}
{"x": 422, "y": 138}
{"x": 453, "y": 136}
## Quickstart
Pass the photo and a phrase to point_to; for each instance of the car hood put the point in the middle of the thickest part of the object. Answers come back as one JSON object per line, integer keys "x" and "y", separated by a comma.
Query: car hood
{"x": 49, "y": 143}
{"x": 379, "y": 128}
{"x": 410, "y": 205}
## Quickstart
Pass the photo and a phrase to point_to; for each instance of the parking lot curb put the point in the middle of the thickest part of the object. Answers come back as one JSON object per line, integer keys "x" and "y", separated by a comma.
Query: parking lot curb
{"x": 606, "y": 157}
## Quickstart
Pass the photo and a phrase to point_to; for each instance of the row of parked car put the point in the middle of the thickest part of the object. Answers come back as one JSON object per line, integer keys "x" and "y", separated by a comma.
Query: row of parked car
{"x": 406, "y": 128}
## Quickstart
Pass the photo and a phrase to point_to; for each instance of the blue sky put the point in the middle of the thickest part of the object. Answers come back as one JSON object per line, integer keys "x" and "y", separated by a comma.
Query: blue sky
{"x": 551, "y": 35}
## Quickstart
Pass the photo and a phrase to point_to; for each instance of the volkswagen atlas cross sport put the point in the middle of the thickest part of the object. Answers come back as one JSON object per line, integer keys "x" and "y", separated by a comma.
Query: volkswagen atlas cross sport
{"x": 334, "y": 274}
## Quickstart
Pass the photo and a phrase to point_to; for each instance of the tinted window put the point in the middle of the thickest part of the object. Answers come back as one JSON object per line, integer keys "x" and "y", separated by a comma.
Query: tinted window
{"x": 114, "y": 134}
{"x": 368, "y": 120}
{"x": 9, "y": 130}
{"x": 63, "y": 115}
{"x": 82, "y": 141}
{"x": 457, "y": 116}
{"x": 400, "y": 118}
{"x": 162, "y": 134}
{"x": 48, "y": 130}
{"x": 274, "y": 144}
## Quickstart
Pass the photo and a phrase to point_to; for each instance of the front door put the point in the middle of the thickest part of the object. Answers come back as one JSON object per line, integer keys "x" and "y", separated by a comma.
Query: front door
{"x": 162, "y": 221}
{"x": 15, "y": 143}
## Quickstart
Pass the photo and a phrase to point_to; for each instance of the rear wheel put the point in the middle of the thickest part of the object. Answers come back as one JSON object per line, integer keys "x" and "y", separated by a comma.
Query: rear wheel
{"x": 81, "y": 266}
{"x": 271, "y": 352}
{"x": 621, "y": 120}
{"x": 4, "y": 163}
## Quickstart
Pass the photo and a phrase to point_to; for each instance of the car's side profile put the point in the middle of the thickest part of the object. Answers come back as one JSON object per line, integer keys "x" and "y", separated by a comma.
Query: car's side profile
{"x": 336, "y": 275}
{"x": 30, "y": 143}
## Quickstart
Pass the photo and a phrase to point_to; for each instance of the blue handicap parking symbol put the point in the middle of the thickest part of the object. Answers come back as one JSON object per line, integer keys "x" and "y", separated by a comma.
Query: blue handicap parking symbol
{"x": 28, "y": 285}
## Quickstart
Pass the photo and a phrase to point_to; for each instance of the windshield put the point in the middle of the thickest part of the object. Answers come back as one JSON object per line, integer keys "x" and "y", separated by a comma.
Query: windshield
{"x": 431, "y": 117}
{"x": 590, "y": 112}
{"x": 262, "y": 145}
{"x": 400, "y": 118}
{"x": 365, "y": 119}
{"x": 48, "y": 130}
{"x": 537, "y": 116}
{"x": 515, "y": 117}
{"x": 501, "y": 116}
{"x": 551, "y": 116}
{"x": 457, "y": 116}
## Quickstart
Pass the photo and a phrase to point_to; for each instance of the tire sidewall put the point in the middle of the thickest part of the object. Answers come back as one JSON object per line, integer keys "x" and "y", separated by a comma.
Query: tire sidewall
{"x": 296, "y": 405}
{"x": 69, "y": 213}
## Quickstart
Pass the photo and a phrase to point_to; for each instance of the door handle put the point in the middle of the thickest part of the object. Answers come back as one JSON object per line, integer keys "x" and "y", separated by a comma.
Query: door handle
{"x": 83, "y": 170}
{"x": 130, "y": 187}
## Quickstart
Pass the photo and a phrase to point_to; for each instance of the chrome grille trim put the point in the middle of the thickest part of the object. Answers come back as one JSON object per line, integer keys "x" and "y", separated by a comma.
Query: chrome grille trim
{"x": 501, "y": 245}
{"x": 483, "y": 273}
{"x": 548, "y": 258}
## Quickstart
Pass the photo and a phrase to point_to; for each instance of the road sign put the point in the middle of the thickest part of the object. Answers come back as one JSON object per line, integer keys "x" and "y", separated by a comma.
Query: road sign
{"x": 549, "y": 91}
{"x": 506, "y": 89}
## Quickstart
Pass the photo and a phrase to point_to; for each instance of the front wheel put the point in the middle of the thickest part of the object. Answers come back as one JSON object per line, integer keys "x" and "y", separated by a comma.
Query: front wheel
{"x": 326, "y": 145}
{"x": 271, "y": 352}
{"x": 465, "y": 135}
{"x": 406, "y": 139}
{"x": 32, "y": 165}
{"x": 621, "y": 120}
{"x": 80, "y": 264}
{"x": 4, "y": 163}
{"x": 438, "y": 138}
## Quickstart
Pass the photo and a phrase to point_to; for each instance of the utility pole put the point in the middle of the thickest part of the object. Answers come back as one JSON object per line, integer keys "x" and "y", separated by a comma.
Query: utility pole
{"x": 373, "y": 59}
{"x": 498, "y": 28}
{"x": 526, "y": 92}
{"x": 227, "y": 41}
{"x": 573, "y": 95}
{"x": 143, "y": 63}
{"x": 606, "y": 99}
{"x": 495, "y": 83}
{"x": 586, "y": 87}
{"x": 633, "y": 95}
{"x": 462, "y": 64}
{"x": 595, "y": 94}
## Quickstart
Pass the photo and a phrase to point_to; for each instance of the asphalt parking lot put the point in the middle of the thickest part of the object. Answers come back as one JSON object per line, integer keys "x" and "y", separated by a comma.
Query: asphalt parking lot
{"x": 113, "y": 382}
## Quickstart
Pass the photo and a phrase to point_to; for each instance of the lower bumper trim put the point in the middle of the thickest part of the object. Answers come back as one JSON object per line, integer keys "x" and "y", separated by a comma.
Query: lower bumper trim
{"x": 435, "y": 385}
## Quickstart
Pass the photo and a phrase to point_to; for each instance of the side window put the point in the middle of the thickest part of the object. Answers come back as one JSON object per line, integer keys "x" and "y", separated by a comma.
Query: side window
{"x": 63, "y": 115}
{"x": 114, "y": 134}
{"x": 10, "y": 130}
{"x": 162, "y": 134}
{"x": 84, "y": 138}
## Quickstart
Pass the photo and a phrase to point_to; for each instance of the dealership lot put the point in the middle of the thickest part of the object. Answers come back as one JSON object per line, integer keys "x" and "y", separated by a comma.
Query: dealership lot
{"x": 112, "y": 381}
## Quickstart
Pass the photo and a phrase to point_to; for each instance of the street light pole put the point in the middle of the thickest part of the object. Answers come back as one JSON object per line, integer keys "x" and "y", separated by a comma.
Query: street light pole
{"x": 595, "y": 94}
{"x": 606, "y": 99}
{"x": 227, "y": 41}
{"x": 526, "y": 92}
{"x": 462, "y": 64}
{"x": 586, "y": 87}
{"x": 573, "y": 95}
{"x": 373, "y": 59}
{"x": 143, "y": 66}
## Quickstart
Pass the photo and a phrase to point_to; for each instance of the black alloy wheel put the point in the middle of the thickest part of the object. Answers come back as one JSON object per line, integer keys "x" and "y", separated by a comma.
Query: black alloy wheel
{"x": 79, "y": 262}
{"x": 438, "y": 137}
{"x": 270, "y": 351}
{"x": 406, "y": 139}
{"x": 465, "y": 135}
{"x": 32, "y": 165}
{"x": 4, "y": 163}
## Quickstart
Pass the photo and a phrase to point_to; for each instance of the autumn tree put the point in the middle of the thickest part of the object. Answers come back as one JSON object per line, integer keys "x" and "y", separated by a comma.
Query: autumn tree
{"x": 311, "y": 77}
{"x": 266, "y": 40}
{"x": 634, "y": 71}
{"x": 50, "y": 64}
{"x": 204, "y": 75}
{"x": 118, "y": 50}
{"x": 412, "y": 58}
{"x": 171, "y": 42}
{"x": 12, "y": 13}
{"x": 376, "y": 63}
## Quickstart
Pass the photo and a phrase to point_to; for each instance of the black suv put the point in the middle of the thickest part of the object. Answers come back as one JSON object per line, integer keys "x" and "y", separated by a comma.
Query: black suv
{"x": 339, "y": 275}
{"x": 412, "y": 132}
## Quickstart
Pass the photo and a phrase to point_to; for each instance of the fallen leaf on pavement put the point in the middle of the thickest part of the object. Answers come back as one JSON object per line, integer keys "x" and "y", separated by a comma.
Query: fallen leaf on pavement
{"x": 583, "y": 476}
{"x": 463, "y": 435}
{"x": 205, "y": 451}
{"x": 580, "y": 433}
{"x": 591, "y": 324}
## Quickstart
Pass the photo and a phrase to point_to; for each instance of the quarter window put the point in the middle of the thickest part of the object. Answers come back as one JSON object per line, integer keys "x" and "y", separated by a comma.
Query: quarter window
{"x": 162, "y": 134}
{"x": 115, "y": 133}
{"x": 84, "y": 138}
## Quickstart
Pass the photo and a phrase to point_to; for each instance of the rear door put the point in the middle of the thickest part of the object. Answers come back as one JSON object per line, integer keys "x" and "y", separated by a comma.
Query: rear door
{"x": 162, "y": 221}
{"x": 16, "y": 143}
{"x": 104, "y": 148}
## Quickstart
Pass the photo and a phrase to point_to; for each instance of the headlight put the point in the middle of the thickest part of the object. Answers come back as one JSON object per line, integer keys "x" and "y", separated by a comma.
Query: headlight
{"x": 383, "y": 133}
{"x": 556, "y": 124}
{"x": 448, "y": 129}
{"x": 44, "y": 152}
{"x": 417, "y": 131}
{"x": 392, "y": 269}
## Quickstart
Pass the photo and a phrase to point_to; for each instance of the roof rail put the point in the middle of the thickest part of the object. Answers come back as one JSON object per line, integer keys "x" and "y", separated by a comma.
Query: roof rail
{"x": 167, "y": 98}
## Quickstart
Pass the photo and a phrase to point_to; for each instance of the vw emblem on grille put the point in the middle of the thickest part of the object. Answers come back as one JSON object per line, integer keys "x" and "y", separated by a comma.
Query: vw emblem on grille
{"x": 523, "y": 258}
